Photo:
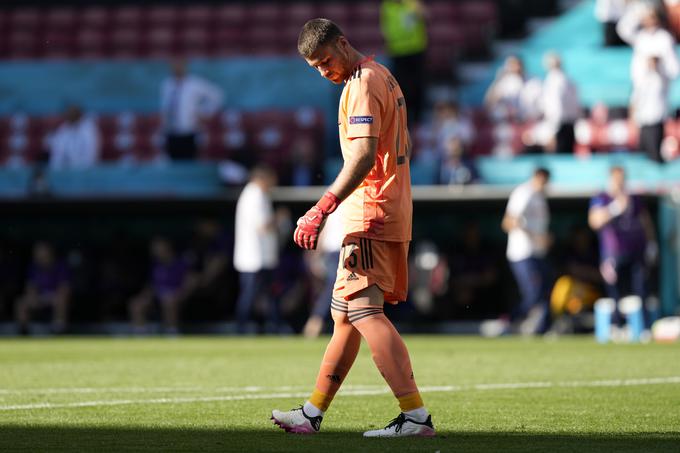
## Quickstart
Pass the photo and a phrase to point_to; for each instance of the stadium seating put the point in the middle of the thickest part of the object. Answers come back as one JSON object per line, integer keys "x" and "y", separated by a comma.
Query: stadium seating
{"x": 255, "y": 135}
{"x": 269, "y": 28}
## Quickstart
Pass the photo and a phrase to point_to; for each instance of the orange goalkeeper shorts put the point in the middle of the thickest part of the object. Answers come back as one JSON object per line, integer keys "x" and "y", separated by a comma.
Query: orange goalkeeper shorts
{"x": 365, "y": 262}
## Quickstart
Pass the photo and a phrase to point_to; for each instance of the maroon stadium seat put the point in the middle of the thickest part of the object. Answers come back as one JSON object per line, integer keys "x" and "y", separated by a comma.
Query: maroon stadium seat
{"x": 264, "y": 40}
{"x": 146, "y": 146}
{"x": 194, "y": 41}
{"x": 267, "y": 130}
{"x": 211, "y": 145}
{"x": 25, "y": 19}
{"x": 234, "y": 15}
{"x": 197, "y": 16}
{"x": 367, "y": 38}
{"x": 266, "y": 14}
{"x": 58, "y": 44}
{"x": 22, "y": 44}
{"x": 367, "y": 12}
{"x": 229, "y": 41}
{"x": 108, "y": 150}
{"x": 126, "y": 42}
{"x": 300, "y": 12}
{"x": 35, "y": 132}
{"x": 338, "y": 12}
{"x": 65, "y": 19}
{"x": 107, "y": 124}
{"x": 482, "y": 12}
{"x": 309, "y": 121}
{"x": 128, "y": 16}
{"x": 147, "y": 124}
{"x": 162, "y": 16}
{"x": 446, "y": 34}
{"x": 444, "y": 11}
{"x": 90, "y": 43}
{"x": 4, "y": 139}
{"x": 160, "y": 42}
{"x": 288, "y": 37}
{"x": 95, "y": 17}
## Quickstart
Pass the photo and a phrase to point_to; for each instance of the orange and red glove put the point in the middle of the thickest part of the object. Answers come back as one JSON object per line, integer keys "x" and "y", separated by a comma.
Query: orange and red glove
{"x": 309, "y": 225}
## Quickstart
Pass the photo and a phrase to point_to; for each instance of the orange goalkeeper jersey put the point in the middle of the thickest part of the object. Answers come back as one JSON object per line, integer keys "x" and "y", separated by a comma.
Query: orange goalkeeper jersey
{"x": 372, "y": 105}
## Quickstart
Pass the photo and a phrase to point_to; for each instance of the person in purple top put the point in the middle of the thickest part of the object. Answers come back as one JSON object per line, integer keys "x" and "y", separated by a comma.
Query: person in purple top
{"x": 47, "y": 287}
{"x": 627, "y": 239}
{"x": 168, "y": 285}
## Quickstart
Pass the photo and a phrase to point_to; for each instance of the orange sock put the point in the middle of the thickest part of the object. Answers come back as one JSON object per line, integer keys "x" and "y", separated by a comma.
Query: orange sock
{"x": 389, "y": 353}
{"x": 338, "y": 358}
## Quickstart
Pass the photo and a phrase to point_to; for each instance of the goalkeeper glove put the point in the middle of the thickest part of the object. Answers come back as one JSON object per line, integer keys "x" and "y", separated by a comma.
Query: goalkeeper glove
{"x": 309, "y": 225}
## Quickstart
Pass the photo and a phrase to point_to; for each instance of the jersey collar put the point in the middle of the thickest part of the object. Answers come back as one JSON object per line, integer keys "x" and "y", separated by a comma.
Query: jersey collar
{"x": 357, "y": 67}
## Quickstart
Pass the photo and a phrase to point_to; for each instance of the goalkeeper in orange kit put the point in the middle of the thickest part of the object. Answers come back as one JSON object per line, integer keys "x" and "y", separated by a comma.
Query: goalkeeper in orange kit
{"x": 374, "y": 191}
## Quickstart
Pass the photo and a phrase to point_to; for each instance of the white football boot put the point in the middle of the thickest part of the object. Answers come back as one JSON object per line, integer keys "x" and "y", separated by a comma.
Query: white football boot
{"x": 296, "y": 421}
{"x": 402, "y": 426}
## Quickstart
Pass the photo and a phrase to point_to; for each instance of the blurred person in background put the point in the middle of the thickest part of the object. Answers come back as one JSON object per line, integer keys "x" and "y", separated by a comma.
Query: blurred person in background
{"x": 120, "y": 273}
{"x": 75, "y": 144}
{"x": 374, "y": 186}
{"x": 325, "y": 267}
{"x": 256, "y": 251}
{"x": 609, "y": 12}
{"x": 208, "y": 257}
{"x": 304, "y": 169}
{"x": 649, "y": 107}
{"x": 627, "y": 240}
{"x": 450, "y": 122}
{"x": 456, "y": 169}
{"x": 504, "y": 97}
{"x": 560, "y": 106}
{"x": 579, "y": 285}
{"x": 168, "y": 287}
{"x": 641, "y": 28}
{"x": 48, "y": 287}
{"x": 580, "y": 259}
{"x": 526, "y": 221}
{"x": 474, "y": 275}
{"x": 187, "y": 101}
{"x": 447, "y": 123}
{"x": 403, "y": 24}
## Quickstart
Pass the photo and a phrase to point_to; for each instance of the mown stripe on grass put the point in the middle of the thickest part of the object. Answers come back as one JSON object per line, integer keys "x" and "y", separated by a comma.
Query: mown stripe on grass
{"x": 349, "y": 391}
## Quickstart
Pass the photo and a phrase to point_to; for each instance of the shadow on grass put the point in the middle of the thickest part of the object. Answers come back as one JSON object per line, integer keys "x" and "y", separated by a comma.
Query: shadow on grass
{"x": 100, "y": 440}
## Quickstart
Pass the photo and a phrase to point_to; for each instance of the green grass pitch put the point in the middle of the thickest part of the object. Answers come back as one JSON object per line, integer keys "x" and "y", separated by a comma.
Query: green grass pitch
{"x": 204, "y": 394}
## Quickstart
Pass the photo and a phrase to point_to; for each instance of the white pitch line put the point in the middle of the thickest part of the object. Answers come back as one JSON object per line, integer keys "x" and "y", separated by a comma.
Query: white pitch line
{"x": 359, "y": 391}
{"x": 85, "y": 390}
{"x": 68, "y": 390}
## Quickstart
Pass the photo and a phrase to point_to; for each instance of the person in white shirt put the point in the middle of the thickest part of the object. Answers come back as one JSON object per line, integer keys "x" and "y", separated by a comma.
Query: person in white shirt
{"x": 255, "y": 245}
{"x": 502, "y": 99}
{"x": 609, "y": 12}
{"x": 526, "y": 221}
{"x": 560, "y": 106}
{"x": 641, "y": 28}
{"x": 75, "y": 144}
{"x": 186, "y": 102}
{"x": 330, "y": 243}
{"x": 649, "y": 108}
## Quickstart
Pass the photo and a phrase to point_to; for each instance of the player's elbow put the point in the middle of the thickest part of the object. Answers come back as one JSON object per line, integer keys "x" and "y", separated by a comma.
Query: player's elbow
{"x": 365, "y": 163}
